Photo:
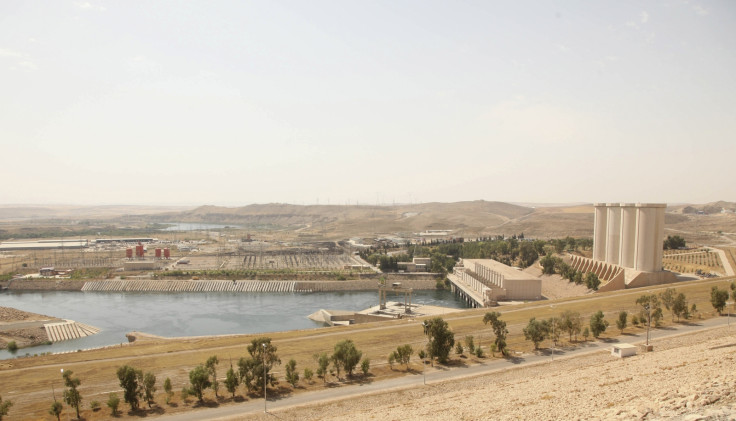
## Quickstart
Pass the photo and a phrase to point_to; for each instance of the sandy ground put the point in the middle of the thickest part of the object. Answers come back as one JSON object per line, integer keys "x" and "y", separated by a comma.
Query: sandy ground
{"x": 554, "y": 287}
{"x": 11, "y": 315}
{"x": 686, "y": 377}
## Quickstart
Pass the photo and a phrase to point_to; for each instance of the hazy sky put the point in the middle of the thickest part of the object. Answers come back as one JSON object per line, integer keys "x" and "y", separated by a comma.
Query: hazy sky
{"x": 219, "y": 102}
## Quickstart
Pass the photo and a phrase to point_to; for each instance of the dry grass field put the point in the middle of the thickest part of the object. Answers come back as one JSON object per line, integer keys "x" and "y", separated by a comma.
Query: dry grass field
{"x": 27, "y": 381}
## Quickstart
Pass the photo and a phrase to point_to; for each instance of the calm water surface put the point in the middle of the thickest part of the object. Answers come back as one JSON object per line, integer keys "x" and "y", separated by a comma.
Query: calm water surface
{"x": 192, "y": 314}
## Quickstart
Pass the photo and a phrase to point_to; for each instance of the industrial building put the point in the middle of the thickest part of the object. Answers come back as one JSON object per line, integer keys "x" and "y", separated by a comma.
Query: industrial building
{"x": 43, "y": 245}
{"x": 627, "y": 246}
{"x": 498, "y": 282}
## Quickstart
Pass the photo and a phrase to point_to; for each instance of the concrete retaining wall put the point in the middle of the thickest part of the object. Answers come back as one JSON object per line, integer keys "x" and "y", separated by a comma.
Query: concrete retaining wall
{"x": 189, "y": 286}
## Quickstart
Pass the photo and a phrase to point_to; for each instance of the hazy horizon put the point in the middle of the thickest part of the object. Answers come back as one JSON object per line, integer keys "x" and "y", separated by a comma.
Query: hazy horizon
{"x": 329, "y": 102}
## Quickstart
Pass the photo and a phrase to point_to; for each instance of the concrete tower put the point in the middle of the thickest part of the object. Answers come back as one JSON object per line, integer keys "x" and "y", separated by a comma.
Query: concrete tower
{"x": 629, "y": 235}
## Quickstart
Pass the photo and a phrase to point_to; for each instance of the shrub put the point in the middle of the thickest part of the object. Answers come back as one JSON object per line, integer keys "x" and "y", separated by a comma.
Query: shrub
{"x": 12, "y": 346}
{"x": 365, "y": 366}
{"x": 94, "y": 405}
{"x": 113, "y": 401}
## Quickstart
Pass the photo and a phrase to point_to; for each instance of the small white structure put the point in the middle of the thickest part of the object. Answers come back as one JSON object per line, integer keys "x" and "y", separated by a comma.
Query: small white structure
{"x": 623, "y": 350}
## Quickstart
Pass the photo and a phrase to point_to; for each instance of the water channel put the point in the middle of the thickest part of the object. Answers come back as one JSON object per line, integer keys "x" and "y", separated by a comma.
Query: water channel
{"x": 192, "y": 314}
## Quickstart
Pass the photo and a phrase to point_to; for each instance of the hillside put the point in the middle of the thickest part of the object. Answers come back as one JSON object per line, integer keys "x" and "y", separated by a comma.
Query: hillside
{"x": 465, "y": 219}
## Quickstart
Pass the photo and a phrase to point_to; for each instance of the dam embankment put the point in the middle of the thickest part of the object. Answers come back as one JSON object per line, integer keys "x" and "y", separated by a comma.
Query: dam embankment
{"x": 248, "y": 286}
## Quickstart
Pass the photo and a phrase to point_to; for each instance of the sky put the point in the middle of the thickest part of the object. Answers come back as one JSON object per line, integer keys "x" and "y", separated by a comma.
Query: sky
{"x": 336, "y": 102}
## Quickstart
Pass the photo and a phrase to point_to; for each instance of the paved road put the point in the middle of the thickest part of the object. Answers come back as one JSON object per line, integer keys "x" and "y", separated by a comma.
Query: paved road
{"x": 438, "y": 375}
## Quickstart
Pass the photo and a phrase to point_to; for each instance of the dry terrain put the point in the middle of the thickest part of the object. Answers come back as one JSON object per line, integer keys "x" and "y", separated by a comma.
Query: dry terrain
{"x": 687, "y": 377}
{"x": 174, "y": 358}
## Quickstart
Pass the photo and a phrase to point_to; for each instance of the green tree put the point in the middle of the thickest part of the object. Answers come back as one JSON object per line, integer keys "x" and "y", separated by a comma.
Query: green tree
{"x": 5, "y": 407}
{"x": 527, "y": 254}
{"x": 292, "y": 376}
{"x": 72, "y": 397}
{"x": 553, "y": 329}
{"x": 149, "y": 387}
{"x": 441, "y": 339}
{"x": 12, "y": 347}
{"x": 598, "y": 324}
{"x": 470, "y": 343}
{"x": 391, "y": 359}
{"x": 623, "y": 318}
{"x": 535, "y": 331}
{"x": 499, "y": 330}
{"x": 251, "y": 370}
{"x": 548, "y": 264}
{"x": 346, "y": 356}
{"x": 651, "y": 309}
{"x": 167, "y": 389}
{"x": 56, "y": 408}
{"x": 199, "y": 378}
{"x": 679, "y": 307}
{"x": 402, "y": 355}
{"x": 577, "y": 278}
{"x": 211, "y": 366}
{"x": 131, "y": 380}
{"x": 308, "y": 374}
{"x": 674, "y": 242}
{"x": 231, "y": 381}
{"x": 323, "y": 361}
{"x": 592, "y": 281}
{"x": 667, "y": 297}
{"x": 586, "y": 333}
{"x": 365, "y": 366}
{"x": 718, "y": 298}
{"x": 570, "y": 322}
{"x": 113, "y": 402}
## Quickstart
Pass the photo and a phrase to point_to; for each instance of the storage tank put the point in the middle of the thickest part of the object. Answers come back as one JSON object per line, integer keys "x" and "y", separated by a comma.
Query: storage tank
{"x": 139, "y": 250}
{"x": 167, "y": 253}
{"x": 129, "y": 253}
{"x": 158, "y": 253}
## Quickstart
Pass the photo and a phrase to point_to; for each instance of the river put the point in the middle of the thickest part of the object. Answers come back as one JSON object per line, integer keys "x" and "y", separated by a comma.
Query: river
{"x": 192, "y": 314}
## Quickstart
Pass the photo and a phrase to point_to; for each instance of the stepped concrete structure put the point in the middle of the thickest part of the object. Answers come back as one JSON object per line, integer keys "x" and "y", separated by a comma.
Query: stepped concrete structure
{"x": 484, "y": 282}
{"x": 627, "y": 246}
{"x": 68, "y": 329}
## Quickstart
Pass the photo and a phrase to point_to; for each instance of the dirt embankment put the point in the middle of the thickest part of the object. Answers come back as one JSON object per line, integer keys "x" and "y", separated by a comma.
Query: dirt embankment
{"x": 24, "y": 328}
{"x": 46, "y": 285}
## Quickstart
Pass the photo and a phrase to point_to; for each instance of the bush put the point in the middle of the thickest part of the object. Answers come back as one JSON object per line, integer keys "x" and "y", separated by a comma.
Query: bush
{"x": 459, "y": 348}
{"x": 113, "y": 402}
{"x": 365, "y": 366}
{"x": 479, "y": 352}
{"x": 94, "y": 405}
{"x": 12, "y": 346}
{"x": 308, "y": 373}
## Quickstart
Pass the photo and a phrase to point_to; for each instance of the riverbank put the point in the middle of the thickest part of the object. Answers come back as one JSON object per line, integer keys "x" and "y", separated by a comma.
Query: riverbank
{"x": 150, "y": 285}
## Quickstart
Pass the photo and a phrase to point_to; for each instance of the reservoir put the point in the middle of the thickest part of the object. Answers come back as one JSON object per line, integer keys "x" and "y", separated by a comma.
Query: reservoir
{"x": 192, "y": 314}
